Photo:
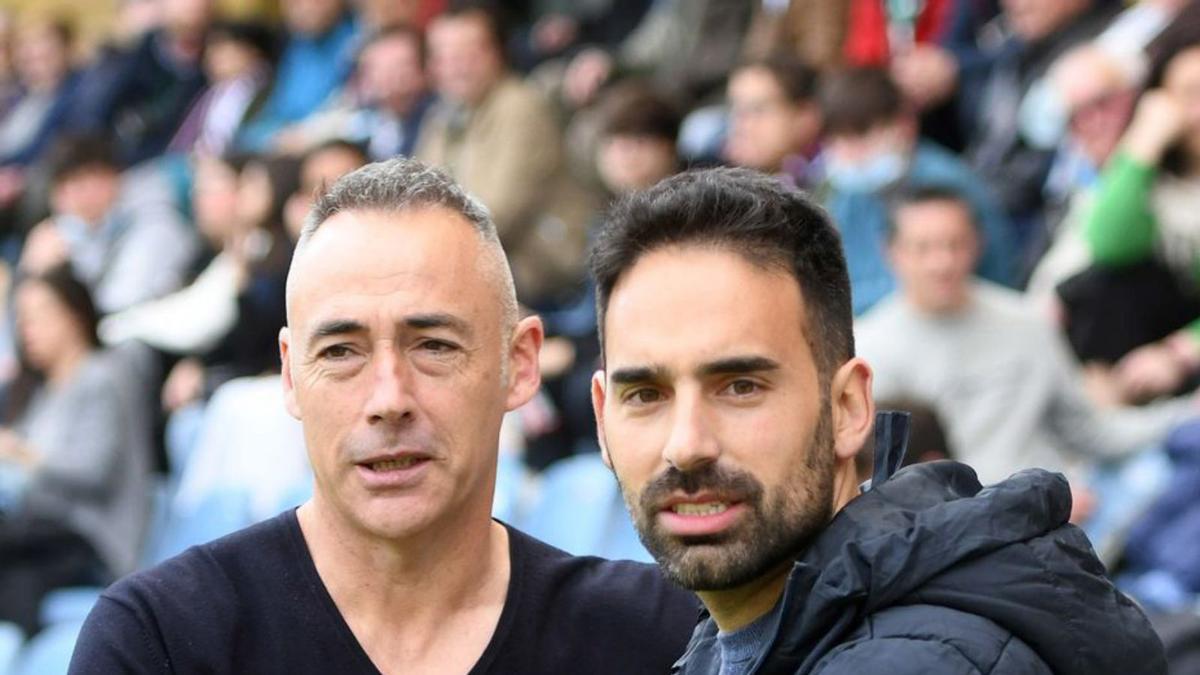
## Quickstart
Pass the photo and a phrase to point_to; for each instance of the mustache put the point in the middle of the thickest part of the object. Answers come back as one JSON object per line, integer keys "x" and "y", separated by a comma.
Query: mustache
{"x": 369, "y": 444}
{"x": 722, "y": 481}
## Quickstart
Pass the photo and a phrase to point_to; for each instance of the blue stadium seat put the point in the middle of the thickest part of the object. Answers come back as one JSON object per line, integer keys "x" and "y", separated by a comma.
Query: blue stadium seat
{"x": 580, "y": 510}
{"x": 11, "y": 639}
{"x": 48, "y": 652}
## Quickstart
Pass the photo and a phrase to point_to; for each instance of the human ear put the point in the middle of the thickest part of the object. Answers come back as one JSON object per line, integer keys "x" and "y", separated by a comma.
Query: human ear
{"x": 853, "y": 408}
{"x": 524, "y": 375}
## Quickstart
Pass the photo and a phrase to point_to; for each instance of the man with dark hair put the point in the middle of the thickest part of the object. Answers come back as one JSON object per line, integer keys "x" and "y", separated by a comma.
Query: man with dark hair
{"x": 775, "y": 119}
{"x": 872, "y": 150}
{"x": 402, "y": 352}
{"x": 731, "y": 407}
{"x": 123, "y": 234}
{"x": 638, "y": 132}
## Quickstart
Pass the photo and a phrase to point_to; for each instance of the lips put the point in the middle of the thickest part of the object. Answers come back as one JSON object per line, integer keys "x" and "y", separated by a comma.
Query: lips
{"x": 394, "y": 471}
{"x": 700, "y": 514}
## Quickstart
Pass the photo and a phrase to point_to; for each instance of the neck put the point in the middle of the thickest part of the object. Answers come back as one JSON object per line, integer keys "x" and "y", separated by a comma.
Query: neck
{"x": 67, "y": 362}
{"x": 736, "y": 608}
{"x": 379, "y": 584}
{"x": 739, "y": 607}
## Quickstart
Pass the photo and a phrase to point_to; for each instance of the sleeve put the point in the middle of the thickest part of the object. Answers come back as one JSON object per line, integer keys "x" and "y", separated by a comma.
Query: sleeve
{"x": 1085, "y": 430}
{"x": 896, "y": 656}
{"x": 1121, "y": 228}
{"x": 116, "y": 639}
{"x": 151, "y": 260}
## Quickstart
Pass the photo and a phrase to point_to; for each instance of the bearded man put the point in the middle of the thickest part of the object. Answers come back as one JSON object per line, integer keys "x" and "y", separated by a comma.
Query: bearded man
{"x": 731, "y": 407}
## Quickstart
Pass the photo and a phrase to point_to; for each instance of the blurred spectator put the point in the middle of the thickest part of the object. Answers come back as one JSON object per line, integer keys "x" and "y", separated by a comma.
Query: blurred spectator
{"x": 500, "y": 139}
{"x": 384, "y": 109}
{"x": 686, "y": 47}
{"x": 1143, "y": 236}
{"x": 926, "y": 437}
{"x": 319, "y": 169}
{"x": 813, "y": 31}
{"x": 1005, "y": 145}
{"x": 998, "y": 375}
{"x": 237, "y": 63}
{"x": 872, "y": 150}
{"x": 317, "y": 58}
{"x": 1097, "y": 92}
{"x": 70, "y": 441}
{"x": 193, "y": 320}
{"x": 636, "y": 149}
{"x": 562, "y": 28}
{"x": 42, "y": 57}
{"x": 140, "y": 96}
{"x": 256, "y": 252}
{"x": 775, "y": 119}
{"x": 123, "y": 235}
{"x": 637, "y": 138}
{"x": 879, "y": 31}
{"x": 35, "y": 115}
{"x": 9, "y": 89}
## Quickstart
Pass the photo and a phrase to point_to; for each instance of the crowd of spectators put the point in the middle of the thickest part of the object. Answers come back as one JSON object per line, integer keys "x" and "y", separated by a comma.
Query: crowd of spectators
{"x": 1016, "y": 182}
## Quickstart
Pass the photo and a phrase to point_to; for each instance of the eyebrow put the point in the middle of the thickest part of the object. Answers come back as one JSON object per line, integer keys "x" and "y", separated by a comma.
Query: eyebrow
{"x": 336, "y": 327}
{"x": 637, "y": 374}
{"x": 738, "y": 365}
{"x": 730, "y": 366}
{"x": 437, "y": 320}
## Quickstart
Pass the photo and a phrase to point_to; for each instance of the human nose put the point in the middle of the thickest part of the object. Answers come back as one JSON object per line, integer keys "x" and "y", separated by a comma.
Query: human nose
{"x": 390, "y": 400}
{"x": 692, "y": 443}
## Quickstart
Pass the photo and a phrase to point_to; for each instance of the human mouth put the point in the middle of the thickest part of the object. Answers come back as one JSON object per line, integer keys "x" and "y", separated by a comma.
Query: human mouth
{"x": 704, "y": 509}
{"x": 700, "y": 516}
{"x": 396, "y": 464}
{"x": 393, "y": 471}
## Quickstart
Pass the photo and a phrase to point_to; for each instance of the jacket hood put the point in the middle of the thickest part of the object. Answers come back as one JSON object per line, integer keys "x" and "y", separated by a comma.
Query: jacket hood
{"x": 931, "y": 535}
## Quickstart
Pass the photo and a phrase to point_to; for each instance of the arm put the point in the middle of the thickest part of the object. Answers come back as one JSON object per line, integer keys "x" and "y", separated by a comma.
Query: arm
{"x": 1121, "y": 228}
{"x": 1085, "y": 430}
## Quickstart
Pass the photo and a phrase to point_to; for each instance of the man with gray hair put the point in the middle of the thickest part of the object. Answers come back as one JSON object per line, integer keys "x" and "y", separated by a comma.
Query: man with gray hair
{"x": 402, "y": 352}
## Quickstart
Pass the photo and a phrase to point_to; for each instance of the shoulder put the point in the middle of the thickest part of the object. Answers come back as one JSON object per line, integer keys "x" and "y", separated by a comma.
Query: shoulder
{"x": 914, "y": 639}
{"x": 616, "y": 588}
{"x": 188, "y": 608}
{"x": 615, "y": 616}
{"x": 513, "y": 96}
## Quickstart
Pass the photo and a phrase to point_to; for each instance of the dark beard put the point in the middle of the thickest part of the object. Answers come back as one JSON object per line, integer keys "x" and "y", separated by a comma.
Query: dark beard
{"x": 773, "y": 531}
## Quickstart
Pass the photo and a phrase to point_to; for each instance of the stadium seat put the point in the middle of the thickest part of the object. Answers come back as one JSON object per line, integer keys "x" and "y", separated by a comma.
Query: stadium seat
{"x": 48, "y": 652}
{"x": 579, "y": 509}
{"x": 11, "y": 639}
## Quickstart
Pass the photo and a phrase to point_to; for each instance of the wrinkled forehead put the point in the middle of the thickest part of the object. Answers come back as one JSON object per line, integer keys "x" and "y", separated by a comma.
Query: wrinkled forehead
{"x": 380, "y": 263}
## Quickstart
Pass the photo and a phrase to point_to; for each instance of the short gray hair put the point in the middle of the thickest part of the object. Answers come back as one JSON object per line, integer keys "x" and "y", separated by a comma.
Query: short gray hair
{"x": 397, "y": 185}
{"x": 405, "y": 184}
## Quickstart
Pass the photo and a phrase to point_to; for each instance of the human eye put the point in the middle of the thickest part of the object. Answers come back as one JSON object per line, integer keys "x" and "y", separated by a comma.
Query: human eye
{"x": 436, "y": 346}
{"x": 338, "y": 352}
{"x": 642, "y": 396}
{"x": 743, "y": 388}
